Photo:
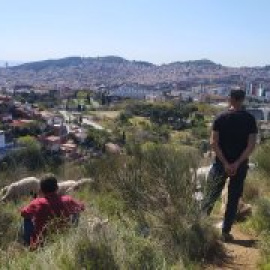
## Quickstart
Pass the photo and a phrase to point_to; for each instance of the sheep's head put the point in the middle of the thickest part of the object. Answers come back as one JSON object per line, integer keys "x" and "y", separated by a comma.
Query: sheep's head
{"x": 84, "y": 181}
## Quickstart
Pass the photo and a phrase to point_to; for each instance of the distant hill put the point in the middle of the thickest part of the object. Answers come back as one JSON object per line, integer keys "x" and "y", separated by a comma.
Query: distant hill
{"x": 77, "y": 62}
{"x": 114, "y": 70}
{"x": 202, "y": 63}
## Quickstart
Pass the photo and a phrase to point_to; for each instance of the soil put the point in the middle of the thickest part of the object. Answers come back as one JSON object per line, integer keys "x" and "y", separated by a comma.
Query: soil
{"x": 243, "y": 252}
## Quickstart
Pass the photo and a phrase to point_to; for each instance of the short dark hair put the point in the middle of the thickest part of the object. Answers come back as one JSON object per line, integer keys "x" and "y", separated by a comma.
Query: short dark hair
{"x": 48, "y": 183}
{"x": 238, "y": 94}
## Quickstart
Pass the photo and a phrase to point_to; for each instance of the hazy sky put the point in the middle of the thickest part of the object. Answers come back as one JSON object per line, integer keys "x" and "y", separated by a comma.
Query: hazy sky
{"x": 231, "y": 32}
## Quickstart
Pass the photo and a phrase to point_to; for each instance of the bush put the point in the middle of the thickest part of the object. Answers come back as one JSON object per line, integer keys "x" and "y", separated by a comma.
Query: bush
{"x": 200, "y": 132}
{"x": 262, "y": 158}
{"x": 8, "y": 227}
{"x": 252, "y": 190}
{"x": 202, "y": 244}
{"x": 97, "y": 138}
{"x": 154, "y": 220}
{"x": 265, "y": 250}
{"x": 156, "y": 186}
{"x": 29, "y": 155}
{"x": 143, "y": 254}
{"x": 91, "y": 256}
{"x": 260, "y": 221}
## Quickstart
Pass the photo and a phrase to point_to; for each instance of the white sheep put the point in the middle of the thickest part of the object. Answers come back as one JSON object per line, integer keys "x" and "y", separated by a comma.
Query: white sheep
{"x": 31, "y": 186}
{"x": 68, "y": 186}
{"x": 24, "y": 187}
{"x": 201, "y": 176}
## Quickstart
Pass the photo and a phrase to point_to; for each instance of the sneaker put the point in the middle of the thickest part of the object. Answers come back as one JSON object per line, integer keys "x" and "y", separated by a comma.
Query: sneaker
{"x": 227, "y": 237}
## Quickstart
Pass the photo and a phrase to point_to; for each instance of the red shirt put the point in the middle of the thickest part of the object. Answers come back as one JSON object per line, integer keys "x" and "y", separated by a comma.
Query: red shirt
{"x": 42, "y": 210}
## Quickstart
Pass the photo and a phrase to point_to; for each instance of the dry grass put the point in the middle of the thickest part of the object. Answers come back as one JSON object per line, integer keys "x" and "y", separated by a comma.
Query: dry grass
{"x": 154, "y": 222}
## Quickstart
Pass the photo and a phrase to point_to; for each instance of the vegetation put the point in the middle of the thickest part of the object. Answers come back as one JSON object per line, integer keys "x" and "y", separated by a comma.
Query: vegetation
{"x": 97, "y": 138}
{"x": 154, "y": 221}
{"x": 262, "y": 158}
{"x": 146, "y": 194}
{"x": 168, "y": 114}
{"x": 29, "y": 156}
{"x": 257, "y": 192}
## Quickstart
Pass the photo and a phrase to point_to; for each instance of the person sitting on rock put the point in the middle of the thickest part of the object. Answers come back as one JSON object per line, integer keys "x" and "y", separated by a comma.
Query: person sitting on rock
{"x": 49, "y": 210}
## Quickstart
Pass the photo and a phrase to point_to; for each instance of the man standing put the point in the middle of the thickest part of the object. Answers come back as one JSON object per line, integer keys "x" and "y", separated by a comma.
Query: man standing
{"x": 233, "y": 139}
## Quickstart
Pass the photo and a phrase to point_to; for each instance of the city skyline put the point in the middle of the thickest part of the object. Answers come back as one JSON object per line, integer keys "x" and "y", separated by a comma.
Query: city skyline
{"x": 230, "y": 33}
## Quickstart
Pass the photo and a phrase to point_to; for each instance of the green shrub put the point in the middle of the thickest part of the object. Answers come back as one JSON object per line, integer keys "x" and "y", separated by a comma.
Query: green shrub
{"x": 8, "y": 226}
{"x": 94, "y": 255}
{"x": 110, "y": 204}
{"x": 262, "y": 157}
{"x": 202, "y": 244}
{"x": 143, "y": 254}
{"x": 260, "y": 221}
{"x": 252, "y": 190}
{"x": 156, "y": 183}
{"x": 154, "y": 221}
{"x": 200, "y": 132}
{"x": 29, "y": 156}
{"x": 265, "y": 250}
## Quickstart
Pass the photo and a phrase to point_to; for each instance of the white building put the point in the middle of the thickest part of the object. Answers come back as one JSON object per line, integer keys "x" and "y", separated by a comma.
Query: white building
{"x": 133, "y": 91}
{"x": 2, "y": 139}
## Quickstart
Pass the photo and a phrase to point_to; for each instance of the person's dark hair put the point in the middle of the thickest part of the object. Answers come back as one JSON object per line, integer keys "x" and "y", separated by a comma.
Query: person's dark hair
{"x": 238, "y": 94}
{"x": 48, "y": 183}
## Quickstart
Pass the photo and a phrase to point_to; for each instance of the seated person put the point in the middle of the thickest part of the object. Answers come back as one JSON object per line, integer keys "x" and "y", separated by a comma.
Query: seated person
{"x": 46, "y": 210}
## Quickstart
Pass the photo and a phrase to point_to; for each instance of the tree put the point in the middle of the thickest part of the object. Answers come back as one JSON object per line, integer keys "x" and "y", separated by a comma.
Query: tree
{"x": 97, "y": 138}
{"x": 30, "y": 153}
{"x": 88, "y": 98}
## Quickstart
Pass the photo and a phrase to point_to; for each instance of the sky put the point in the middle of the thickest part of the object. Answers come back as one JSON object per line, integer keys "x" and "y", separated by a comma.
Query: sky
{"x": 230, "y": 32}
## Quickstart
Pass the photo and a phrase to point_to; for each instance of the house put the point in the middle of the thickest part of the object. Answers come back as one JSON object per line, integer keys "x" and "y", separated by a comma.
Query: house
{"x": 69, "y": 150}
{"x": 51, "y": 118}
{"x": 213, "y": 98}
{"x": 52, "y": 143}
{"x": 60, "y": 130}
{"x": 6, "y": 117}
{"x": 22, "y": 123}
{"x": 5, "y": 147}
{"x": 6, "y": 99}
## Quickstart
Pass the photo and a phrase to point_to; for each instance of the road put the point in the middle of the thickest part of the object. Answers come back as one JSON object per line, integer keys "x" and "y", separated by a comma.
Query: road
{"x": 85, "y": 120}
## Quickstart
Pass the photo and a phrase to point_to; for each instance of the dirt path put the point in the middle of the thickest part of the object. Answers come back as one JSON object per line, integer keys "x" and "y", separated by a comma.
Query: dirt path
{"x": 243, "y": 253}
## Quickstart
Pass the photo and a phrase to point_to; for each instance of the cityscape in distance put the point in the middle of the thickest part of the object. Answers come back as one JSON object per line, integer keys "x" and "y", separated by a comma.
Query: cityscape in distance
{"x": 112, "y": 73}
{"x": 134, "y": 135}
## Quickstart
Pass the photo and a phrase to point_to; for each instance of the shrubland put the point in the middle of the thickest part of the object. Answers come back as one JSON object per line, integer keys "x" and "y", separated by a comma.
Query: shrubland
{"x": 257, "y": 192}
{"x": 154, "y": 221}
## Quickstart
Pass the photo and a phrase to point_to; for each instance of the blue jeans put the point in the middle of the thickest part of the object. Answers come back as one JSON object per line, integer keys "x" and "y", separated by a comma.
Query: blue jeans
{"x": 27, "y": 230}
{"x": 28, "y": 227}
{"x": 75, "y": 218}
{"x": 215, "y": 183}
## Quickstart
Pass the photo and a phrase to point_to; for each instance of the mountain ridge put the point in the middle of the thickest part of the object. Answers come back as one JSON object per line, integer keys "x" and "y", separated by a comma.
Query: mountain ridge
{"x": 119, "y": 59}
{"x": 65, "y": 61}
{"x": 78, "y": 71}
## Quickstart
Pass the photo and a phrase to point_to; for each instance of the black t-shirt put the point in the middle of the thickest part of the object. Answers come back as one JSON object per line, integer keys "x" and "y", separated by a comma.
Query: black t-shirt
{"x": 234, "y": 128}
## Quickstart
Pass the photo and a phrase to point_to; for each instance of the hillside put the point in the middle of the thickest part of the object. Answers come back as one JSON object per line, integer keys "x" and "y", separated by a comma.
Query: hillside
{"x": 112, "y": 70}
{"x": 140, "y": 209}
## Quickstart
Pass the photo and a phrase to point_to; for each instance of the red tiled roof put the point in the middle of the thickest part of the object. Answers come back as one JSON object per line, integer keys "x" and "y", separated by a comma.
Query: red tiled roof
{"x": 5, "y": 98}
{"x": 52, "y": 138}
{"x": 20, "y": 123}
